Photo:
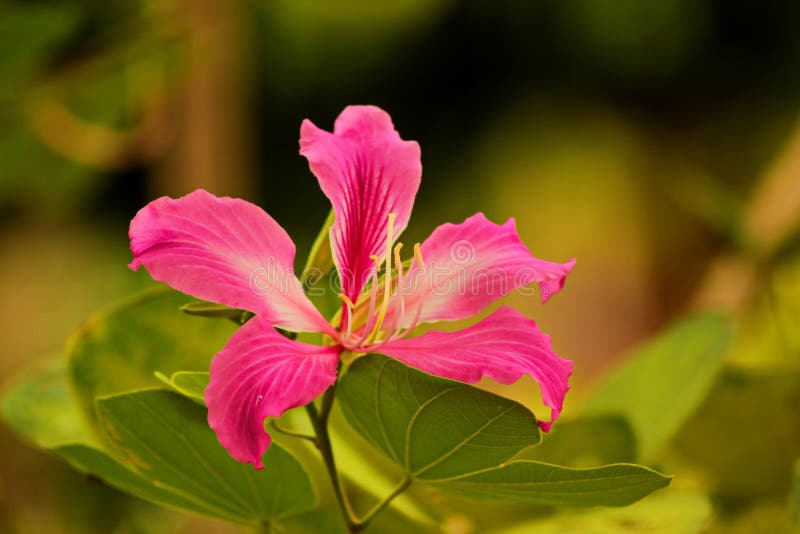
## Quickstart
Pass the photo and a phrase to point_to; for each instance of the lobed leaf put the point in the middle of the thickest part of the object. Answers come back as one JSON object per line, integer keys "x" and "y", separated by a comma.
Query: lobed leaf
{"x": 468, "y": 441}
{"x": 434, "y": 428}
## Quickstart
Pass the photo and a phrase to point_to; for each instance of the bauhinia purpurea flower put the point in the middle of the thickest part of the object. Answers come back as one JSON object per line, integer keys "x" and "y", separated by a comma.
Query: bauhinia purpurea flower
{"x": 230, "y": 251}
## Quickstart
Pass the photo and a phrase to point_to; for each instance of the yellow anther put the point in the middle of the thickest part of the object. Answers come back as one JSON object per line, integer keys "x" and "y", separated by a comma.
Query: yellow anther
{"x": 376, "y": 259}
{"x": 344, "y": 298}
{"x": 418, "y": 255}
{"x": 397, "y": 248}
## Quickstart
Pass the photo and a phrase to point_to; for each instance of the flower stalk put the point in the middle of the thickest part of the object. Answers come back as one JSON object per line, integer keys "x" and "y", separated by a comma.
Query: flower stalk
{"x": 319, "y": 420}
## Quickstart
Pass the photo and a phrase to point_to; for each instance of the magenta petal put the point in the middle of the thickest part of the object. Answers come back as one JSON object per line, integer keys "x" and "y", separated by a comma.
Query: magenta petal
{"x": 367, "y": 172}
{"x": 259, "y": 374}
{"x": 470, "y": 265}
{"x": 503, "y": 347}
{"x": 223, "y": 250}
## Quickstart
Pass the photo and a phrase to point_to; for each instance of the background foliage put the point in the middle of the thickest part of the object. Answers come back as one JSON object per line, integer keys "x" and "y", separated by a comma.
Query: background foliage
{"x": 657, "y": 143}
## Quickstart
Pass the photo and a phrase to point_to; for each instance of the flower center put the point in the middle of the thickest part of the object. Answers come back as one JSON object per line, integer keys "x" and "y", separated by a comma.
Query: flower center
{"x": 364, "y": 325}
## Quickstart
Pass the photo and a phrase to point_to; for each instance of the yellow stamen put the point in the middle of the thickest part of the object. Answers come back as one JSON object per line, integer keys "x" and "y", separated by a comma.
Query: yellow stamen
{"x": 348, "y": 315}
{"x": 418, "y": 256}
{"x": 388, "y": 278}
{"x": 344, "y": 298}
{"x": 397, "y": 248}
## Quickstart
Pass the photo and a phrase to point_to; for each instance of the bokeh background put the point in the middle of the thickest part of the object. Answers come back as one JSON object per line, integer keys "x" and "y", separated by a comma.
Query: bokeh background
{"x": 656, "y": 142}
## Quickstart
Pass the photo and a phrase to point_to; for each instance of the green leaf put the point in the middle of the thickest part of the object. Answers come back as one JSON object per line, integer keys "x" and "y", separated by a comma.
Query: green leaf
{"x": 663, "y": 382}
{"x": 165, "y": 438}
{"x": 667, "y": 513}
{"x": 375, "y": 481}
{"x": 99, "y": 464}
{"x": 585, "y": 442}
{"x": 216, "y": 311}
{"x": 38, "y": 405}
{"x": 434, "y": 428}
{"x": 119, "y": 349}
{"x": 320, "y": 257}
{"x": 40, "y": 408}
{"x": 190, "y": 384}
{"x": 465, "y": 440}
{"x": 539, "y": 483}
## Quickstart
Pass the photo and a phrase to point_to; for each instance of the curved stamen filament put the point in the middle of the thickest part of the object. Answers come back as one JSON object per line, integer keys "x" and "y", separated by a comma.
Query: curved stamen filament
{"x": 398, "y": 331}
{"x": 387, "y": 280}
{"x": 392, "y": 328}
{"x": 418, "y": 256}
{"x": 373, "y": 297}
{"x": 413, "y": 324}
{"x": 349, "y": 307}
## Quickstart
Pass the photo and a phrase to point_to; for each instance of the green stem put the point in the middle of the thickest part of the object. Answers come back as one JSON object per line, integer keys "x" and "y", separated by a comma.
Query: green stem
{"x": 319, "y": 420}
{"x": 380, "y": 505}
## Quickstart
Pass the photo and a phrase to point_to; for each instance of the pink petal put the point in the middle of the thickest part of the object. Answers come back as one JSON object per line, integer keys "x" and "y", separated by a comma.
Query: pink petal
{"x": 503, "y": 347}
{"x": 223, "y": 250}
{"x": 259, "y": 374}
{"x": 470, "y": 265}
{"x": 367, "y": 172}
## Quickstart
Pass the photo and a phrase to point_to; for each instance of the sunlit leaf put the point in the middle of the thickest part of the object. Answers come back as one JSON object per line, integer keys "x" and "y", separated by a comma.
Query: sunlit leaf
{"x": 662, "y": 383}
{"x": 165, "y": 438}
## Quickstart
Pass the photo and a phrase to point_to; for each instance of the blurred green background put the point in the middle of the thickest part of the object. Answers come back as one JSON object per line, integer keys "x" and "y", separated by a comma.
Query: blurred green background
{"x": 656, "y": 141}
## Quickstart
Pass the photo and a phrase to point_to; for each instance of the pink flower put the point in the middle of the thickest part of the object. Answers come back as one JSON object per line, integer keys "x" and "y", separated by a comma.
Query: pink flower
{"x": 230, "y": 251}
